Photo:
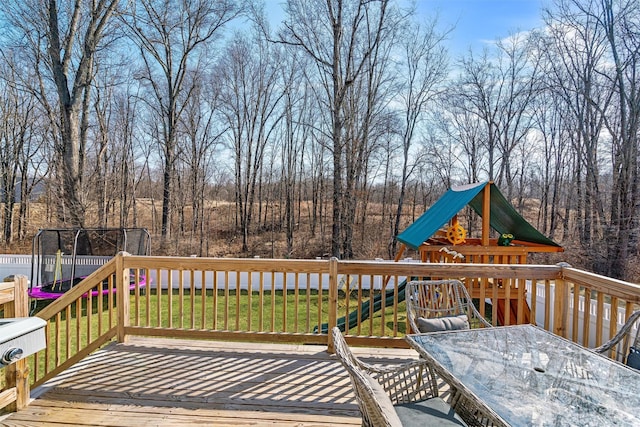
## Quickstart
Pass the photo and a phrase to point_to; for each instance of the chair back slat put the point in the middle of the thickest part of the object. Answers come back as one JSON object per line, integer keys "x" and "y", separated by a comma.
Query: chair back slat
{"x": 431, "y": 299}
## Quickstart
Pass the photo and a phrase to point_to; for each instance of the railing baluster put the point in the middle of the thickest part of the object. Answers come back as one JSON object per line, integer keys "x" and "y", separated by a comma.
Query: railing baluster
{"x": 482, "y": 285}
{"x": 520, "y": 285}
{"x": 57, "y": 339}
{"x": 67, "y": 331}
{"x": 383, "y": 306}
{"x": 547, "y": 304}
{"x": 307, "y": 326}
{"x": 147, "y": 294}
{"x": 36, "y": 364}
{"x": 284, "y": 302}
{"x": 100, "y": 299}
{"x": 47, "y": 351}
{"x": 586, "y": 319}
{"x": 181, "y": 298}
{"x": 215, "y": 300}
{"x": 273, "y": 301}
{"x": 89, "y": 309}
{"x": 507, "y": 284}
{"x": 320, "y": 292}
{"x": 599, "y": 318}
{"x": 79, "y": 322}
{"x": 249, "y": 305}
{"x": 296, "y": 296}
{"x": 261, "y": 302}
{"x": 226, "y": 300}
{"x": 170, "y": 298}
{"x": 372, "y": 296}
{"x": 359, "y": 303}
{"x": 238, "y": 291}
{"x": 192, "y": 298}
{"x": 534, "y": 301}
{"x": 136, "y": 296}
{"x": 575, "y": 311}
{"x": 111, "y": 299}
{"x": 203, "y": 300}
{"x": 396, "y": 294}
{"x": 159, "y": 298}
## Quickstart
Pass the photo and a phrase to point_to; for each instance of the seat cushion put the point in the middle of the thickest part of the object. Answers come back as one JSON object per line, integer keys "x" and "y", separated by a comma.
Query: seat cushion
{"x": 433, "y": 412}
{"x": 438, "y": 324}
{"x": 633, "y": 359}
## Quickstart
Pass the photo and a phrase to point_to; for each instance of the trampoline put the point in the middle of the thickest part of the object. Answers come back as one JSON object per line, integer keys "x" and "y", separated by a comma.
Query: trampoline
{"x": 62, "y": 258}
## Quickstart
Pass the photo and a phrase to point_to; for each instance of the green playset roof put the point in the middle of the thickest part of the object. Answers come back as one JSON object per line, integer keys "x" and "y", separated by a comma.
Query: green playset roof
{"x": 502, "y": 216}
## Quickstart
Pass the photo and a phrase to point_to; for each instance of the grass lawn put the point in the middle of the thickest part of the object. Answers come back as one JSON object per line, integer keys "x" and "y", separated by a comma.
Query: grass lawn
{"x": 295, "y": 312}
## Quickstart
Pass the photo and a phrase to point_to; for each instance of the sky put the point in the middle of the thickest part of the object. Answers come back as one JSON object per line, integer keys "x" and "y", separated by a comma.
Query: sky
{"x": 475, "y": 21}
{"x": 479, "y": 21}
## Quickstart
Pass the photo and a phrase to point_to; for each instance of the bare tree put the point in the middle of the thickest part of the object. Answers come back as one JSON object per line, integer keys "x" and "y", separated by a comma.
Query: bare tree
{"x": 461, "y": 126}
{"x": 366, "y": 115}
{"x": 16, "y": 117}
{"x": 476, "y": 90}
{"x": 201, "y": 138}
{"x": 499, "y": 88}
{"x": 129, "y": 160}
{"x": 23, "y": 155}
{"x": 339, "y": 36}
{"x": 296, "y": 136}
{"x": 576, "y": 50}
{"x": 620, "y": 21}
{"x": 518, "y": 70}
{"x": 101, "y": 152}
{"x": 249, "y": 101}
{"x": 318, "y": 175}
{"x": 172, "y": 38}
{"x": 68, "y": 34}
{"x": 422, "y": 76}
{"x": 552, "y": 159}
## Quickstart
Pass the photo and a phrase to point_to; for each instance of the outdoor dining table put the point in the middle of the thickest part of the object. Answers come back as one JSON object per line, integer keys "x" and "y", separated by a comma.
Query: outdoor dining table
{"x": 526, "y": 376}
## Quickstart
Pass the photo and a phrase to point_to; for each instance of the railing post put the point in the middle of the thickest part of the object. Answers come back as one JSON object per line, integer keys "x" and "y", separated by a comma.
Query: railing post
{"x": 561, "y": 303}
{"x": 17, "y": 373}
{"x": 122, "y": 296}
{"x": 333, "y": 300}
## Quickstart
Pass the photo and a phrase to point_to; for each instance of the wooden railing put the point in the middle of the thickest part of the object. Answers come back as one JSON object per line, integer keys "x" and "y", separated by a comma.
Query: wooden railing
{"x": 592, "y": 303}
{"x": 79, "y": 323}
{"x": 300, "y": 300}
{"x": 15, "y": 390}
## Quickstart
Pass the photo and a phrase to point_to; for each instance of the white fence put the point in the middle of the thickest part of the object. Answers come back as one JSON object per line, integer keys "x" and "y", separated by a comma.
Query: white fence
{"x": 540, "y": 306}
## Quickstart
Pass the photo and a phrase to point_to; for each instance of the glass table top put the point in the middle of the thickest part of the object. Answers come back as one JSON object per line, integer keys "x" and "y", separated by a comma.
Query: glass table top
{"x": 530, "y": 376}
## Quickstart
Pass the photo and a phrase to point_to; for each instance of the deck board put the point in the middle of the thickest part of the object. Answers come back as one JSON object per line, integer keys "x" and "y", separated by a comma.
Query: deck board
{"x": 165, "y": 382}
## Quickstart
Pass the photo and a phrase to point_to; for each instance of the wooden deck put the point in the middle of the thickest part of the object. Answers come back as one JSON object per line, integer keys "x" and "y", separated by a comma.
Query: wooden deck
{"x": 164, "y": 382}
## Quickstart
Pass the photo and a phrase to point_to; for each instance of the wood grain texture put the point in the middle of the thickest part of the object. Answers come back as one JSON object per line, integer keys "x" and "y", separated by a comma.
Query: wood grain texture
{"x": 168, "y": 382}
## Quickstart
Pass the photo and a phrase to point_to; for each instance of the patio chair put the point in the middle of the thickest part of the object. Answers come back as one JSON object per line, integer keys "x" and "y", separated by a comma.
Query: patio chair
{"x": 401, "y": 395}
{"x": 625, "y": 345}
{"x": 440, "y": 305}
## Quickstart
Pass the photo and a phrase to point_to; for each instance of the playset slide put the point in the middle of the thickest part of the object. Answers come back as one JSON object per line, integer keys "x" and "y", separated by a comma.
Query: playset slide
{"x": 364, "y": 310}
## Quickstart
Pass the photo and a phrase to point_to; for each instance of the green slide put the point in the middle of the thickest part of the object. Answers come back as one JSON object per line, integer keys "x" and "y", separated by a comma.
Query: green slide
{"x": 389, "y": 299}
